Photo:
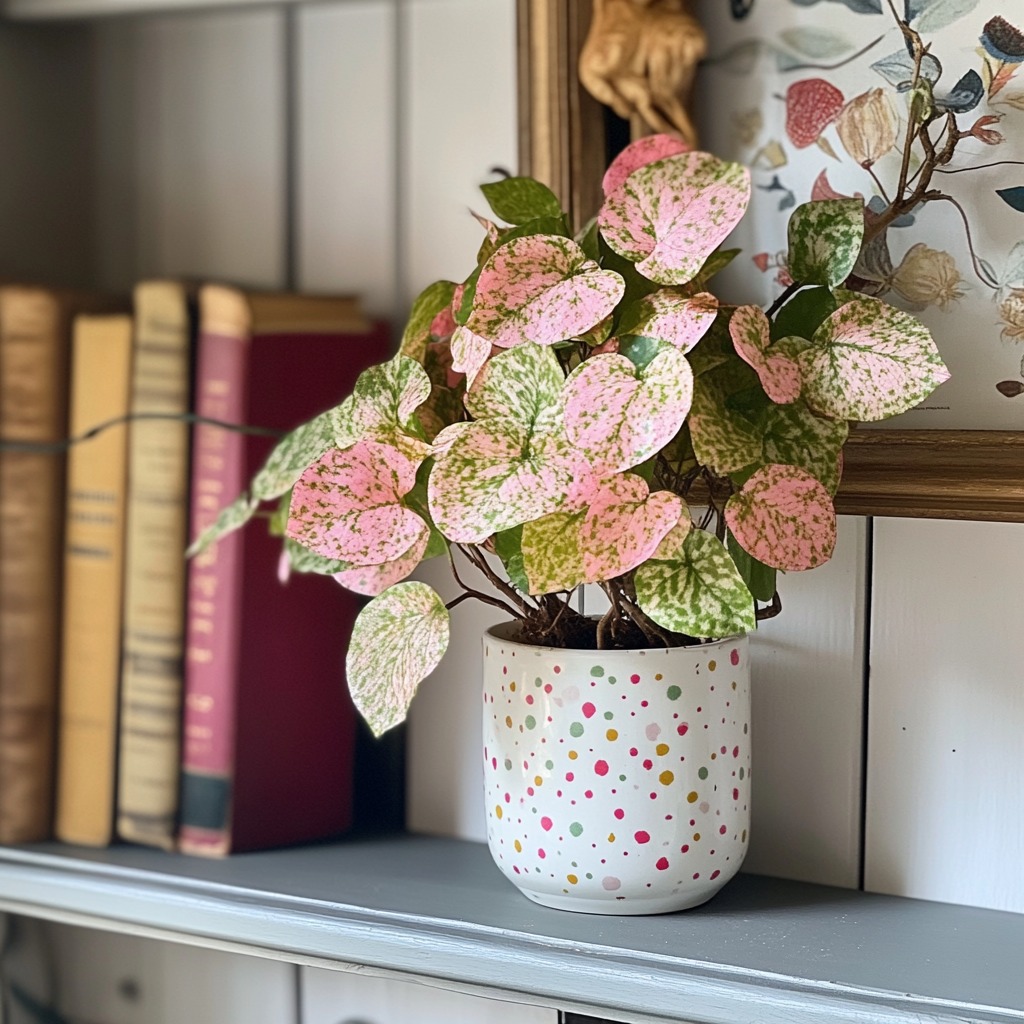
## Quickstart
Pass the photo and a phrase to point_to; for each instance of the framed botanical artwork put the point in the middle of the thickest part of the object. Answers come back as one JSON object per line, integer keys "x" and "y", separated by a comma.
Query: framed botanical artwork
{"x": 813, "y": 96}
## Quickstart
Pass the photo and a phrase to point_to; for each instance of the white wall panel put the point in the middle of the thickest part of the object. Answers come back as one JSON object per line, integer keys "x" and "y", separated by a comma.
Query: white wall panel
{"x": 194, "y": 105}
{"x": 331, "y": 997}
{"x": 106, "y": 978}
{"x": 945, "y": 813}
{"x": 346, "y": 151}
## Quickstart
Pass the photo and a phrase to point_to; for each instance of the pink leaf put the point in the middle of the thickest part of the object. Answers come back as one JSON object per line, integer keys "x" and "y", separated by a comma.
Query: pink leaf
{"x": 374, "y": 579}
{"x": 784, "y": 517}
{"x": 541, "y": 289}
{"x": 668, "y": 217}
{"x": 469, "y": 353}
{"x": 638, "y": 154}
{"x": 778, "y": 372}
{"x": 348, "y": 505}
{"x": 680, "y": 320}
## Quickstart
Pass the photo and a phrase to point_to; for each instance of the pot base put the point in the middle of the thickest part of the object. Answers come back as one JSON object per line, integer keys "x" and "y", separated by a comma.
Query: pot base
{"x": 623, "y": 907}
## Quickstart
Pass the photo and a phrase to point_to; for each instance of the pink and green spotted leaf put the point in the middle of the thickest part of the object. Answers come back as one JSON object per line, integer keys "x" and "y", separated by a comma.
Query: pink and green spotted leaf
{"x": 694, "y": 587}
{"x": 784, "y": 518}
{"x": 619, "y": 414}
{"x": 638, "y": 154}
{"x": 869, "y": 361}
{"x": 552, "y": 559}
{"x": 348, "y": 505}
{"x": 824, "y": 240}
{"x": 723, "y": 438}
{"x": 469, "y": 353}
{"x": 431, "y": 301}
{"x": 679, "y": 320}
{"x": 779, "y": 373}
{"x": 624, "y": 526}
{"x": 385, "y": 396}
{"x": 397, "y": 641}
{"x": 541, "y": 289}
{"x": 523, "y": 384}
{"x": 231, "y": 518}
{"x": 796, "y": 436}
{"x": 668, "y": 217}
{"x": 371, "y": 580}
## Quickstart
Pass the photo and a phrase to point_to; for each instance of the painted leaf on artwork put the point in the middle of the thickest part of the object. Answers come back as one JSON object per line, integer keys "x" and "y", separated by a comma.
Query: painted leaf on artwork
{"x": 397, "y": 641}
{"x": 783, "y": 517}
{"x": 541, "y": 289}
{"x": 670, "y": 215}
{"x": 869, "y": 361}
{"x": 777, "y": 370}
{"x": 638, "y": 154}
{"x": 679, "y": 320}
{"x": 694, "y": 587}
{"x": 620, "y": 414}
{"x": 824, "y": 240}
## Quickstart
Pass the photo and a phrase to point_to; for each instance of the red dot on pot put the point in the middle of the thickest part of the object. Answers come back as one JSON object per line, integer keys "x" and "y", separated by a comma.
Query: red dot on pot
{"x": 662, "y": 864}
{"x": 601, "y": 767}
{"x": 642, "y": 837}
{"x": 546, "y": 823}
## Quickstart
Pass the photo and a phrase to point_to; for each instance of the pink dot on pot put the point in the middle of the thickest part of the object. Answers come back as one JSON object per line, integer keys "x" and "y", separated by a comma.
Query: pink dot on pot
{"x": 642, "y": 837}
{"x": 734, "y": 657}
{"x": 662, "y": 864}
{"x": 619, "y": 813}
{"x": 634, "y": 678}
{"x": 601, "y": 768}
{"x": 588, "y": 710}
{"x": 611, "y": 883}
{"x": 546, "y": 823}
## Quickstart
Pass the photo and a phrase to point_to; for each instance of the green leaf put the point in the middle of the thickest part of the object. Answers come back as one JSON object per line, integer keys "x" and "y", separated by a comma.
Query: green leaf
{"x": 517, "y": 200}
{"x": 398, "y": 639}
{"x": 759, "y": 578}
{"x": 508, "y": 546}
{"x": 552, "y": 557}
{"x": 716, "y": 262}
{"x": 727, "y": 422}
{"x": 301, "y": 559}
{"x": 638, "y": 349}
{"x": 431, "y": 301}
{"x": 824, "y": 239}
{"x": 589, "y": 240}
{"x": 695, "y": 589}
{"x": 796, "y": 436}
{"x": 803, "y": 314}
{"x": 235, "y": 515}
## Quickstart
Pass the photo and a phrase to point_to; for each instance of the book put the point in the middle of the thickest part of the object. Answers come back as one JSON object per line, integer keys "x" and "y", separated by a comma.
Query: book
{"x": 93, "y": 562}
{"x": 35, "y": 330}
{"x": 268, "y": 723}
{"x": 156, "y": 535}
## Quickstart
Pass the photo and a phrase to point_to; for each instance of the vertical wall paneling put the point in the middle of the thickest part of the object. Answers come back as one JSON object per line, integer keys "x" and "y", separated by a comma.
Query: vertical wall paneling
{"x": 458, "y": 120}
{"x": 346, "y": 151}
{"x": 945, "y": 785}
{"x": 331, "y": 997}
{"x": 195, "y": 103}
{"x": 107, "y": 978}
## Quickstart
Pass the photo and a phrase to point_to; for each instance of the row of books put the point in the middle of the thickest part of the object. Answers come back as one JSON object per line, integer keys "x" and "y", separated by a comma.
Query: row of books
{"x": 197, "y": 705}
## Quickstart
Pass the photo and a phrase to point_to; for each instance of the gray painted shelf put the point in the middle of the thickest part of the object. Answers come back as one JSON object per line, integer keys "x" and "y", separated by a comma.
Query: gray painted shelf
{"x": 437, "y": 910}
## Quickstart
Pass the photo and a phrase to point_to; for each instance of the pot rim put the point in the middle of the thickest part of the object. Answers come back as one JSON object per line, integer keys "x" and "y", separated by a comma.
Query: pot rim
{"x": 496, "y": 631}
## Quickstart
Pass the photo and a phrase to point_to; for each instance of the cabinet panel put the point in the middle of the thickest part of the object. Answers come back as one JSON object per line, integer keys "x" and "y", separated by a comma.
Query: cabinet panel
{"x": 945, "y": 811}
{"x": 346, "y": 150}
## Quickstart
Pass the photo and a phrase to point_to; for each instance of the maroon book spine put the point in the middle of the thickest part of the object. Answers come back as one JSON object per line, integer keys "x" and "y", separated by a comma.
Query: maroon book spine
{"x": 268, "y": 724}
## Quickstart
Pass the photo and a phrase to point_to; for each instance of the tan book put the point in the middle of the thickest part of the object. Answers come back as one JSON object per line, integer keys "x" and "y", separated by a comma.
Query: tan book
{"x": 35, "y": 326}
{"x": 93, "y": 562}
{"x": 153, "y": 637}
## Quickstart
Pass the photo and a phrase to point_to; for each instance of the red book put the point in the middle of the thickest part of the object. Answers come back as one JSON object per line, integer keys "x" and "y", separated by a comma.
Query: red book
{"x": 268, "y": 735}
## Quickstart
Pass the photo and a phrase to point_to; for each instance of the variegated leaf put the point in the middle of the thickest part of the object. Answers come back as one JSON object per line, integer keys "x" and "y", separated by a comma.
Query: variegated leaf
{"x": 624, "y": 526}
{"x": 301, "y": 559}
{"x": 778, "y": 372}
{"x": 348, "y": 505}
{"x": 670, "y": 215}
{"x": 695, "y": 588}
{"x": 386, "y": 396}
{"x": 397, "y": 641}
{"x": 637, "y": 154}
{"x": 679, "y": 320}
{"x": 541, "y": 289}
{"x": 523, "y": 384}
{"x": 518, "y": 200}
{"x": 824, "y": 240}
{"x": 784, "y": 518}
{"x": 431, "y": 301}
{"x": 724, "y": 438}
{"x": 375, "y": 579}
{"x": 869, "y": 361}
{"x": 469, "y": 353}
{"x": 231, "y": 518}
{"x": 619, "y": 414}
{"x": 552, "y": 559}
{"x": 796, "y": 436}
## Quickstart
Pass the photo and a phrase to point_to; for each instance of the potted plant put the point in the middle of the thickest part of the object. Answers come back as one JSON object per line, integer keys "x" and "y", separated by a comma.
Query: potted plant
{"x": 584, "y": 410}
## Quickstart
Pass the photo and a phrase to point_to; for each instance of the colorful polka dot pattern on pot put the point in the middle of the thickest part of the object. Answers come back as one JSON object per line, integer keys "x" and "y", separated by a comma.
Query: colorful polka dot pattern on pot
{"x": 617, "y": 782}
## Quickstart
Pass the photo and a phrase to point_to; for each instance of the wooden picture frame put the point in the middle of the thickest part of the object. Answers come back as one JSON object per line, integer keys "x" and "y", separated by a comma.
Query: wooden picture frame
{"x": 942, "y": 474}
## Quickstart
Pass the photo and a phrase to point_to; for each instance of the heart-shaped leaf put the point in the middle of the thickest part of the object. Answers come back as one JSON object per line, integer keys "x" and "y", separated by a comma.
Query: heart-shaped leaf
{"x": 517, "y": 200}
{"x": 469, "y": 353}
{"x": 348, "y": 505}
{"x": 869, "y": 361}
{"x": 796, "y": 436}
{"x": 678, "y": 320}
{"x": 778, "y": 372}
{"x": 619, "y": 414}
{"x": 725, "y": 437}
{"x": 371, "y": 580}
{"x": 669, "y": 216}
{"x": 824, "y": 240}
{"x": 541, "y": 289}
{"x": 783, "y": 517}
{"x": 552, "y": 559}
{"x": 693, "y": 587}
{"x": 397, "y": 641}
{"x": 759, "y": 578}
{"x": 431, "y": 301}
{"x": 638, "y": 154}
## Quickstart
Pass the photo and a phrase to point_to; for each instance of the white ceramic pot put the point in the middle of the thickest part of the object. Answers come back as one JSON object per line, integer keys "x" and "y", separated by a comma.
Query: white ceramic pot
{"x": 617, "y": 782}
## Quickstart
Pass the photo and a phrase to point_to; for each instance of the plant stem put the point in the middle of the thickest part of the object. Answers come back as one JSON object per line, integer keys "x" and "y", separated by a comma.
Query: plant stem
{"x": 495, "y": 580}
{"x": 769, "y": 611}
{"x": 783, "y": 297}
{"x": 470, "y": 592}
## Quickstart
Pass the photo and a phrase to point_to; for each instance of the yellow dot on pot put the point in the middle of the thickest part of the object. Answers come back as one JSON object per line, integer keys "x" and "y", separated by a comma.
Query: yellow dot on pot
{"x": 512, "y": 687}
{"x": 538, "y": 781}
{"x": 573, "y": 755}
{"x": 691, "y": 798}
{"x": 508, "y": 721}
{"x": 661, "y": 749}
{"x": 571, "y": 879}
{"x": 612, "y": 734}
{"x": 519, "y": 846}
{"x": 696, "y": 837}
{"x": 712, "y": 665}
{"x": 658, "y": 677}
{"x": 498, "y": 811}
{"x": 666, "y": 778}
{"x": 611, "y": 837}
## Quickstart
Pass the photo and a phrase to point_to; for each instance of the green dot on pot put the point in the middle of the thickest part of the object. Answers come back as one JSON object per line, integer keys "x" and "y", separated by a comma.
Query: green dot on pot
{"x": 674, "y": 693}
{"x": 576, "y": 829}
{"x": 531, "y": 722}
{"x": 576, "y": 729}
{"x": 702, "y": 773}
{"x": 597, "y": 671}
